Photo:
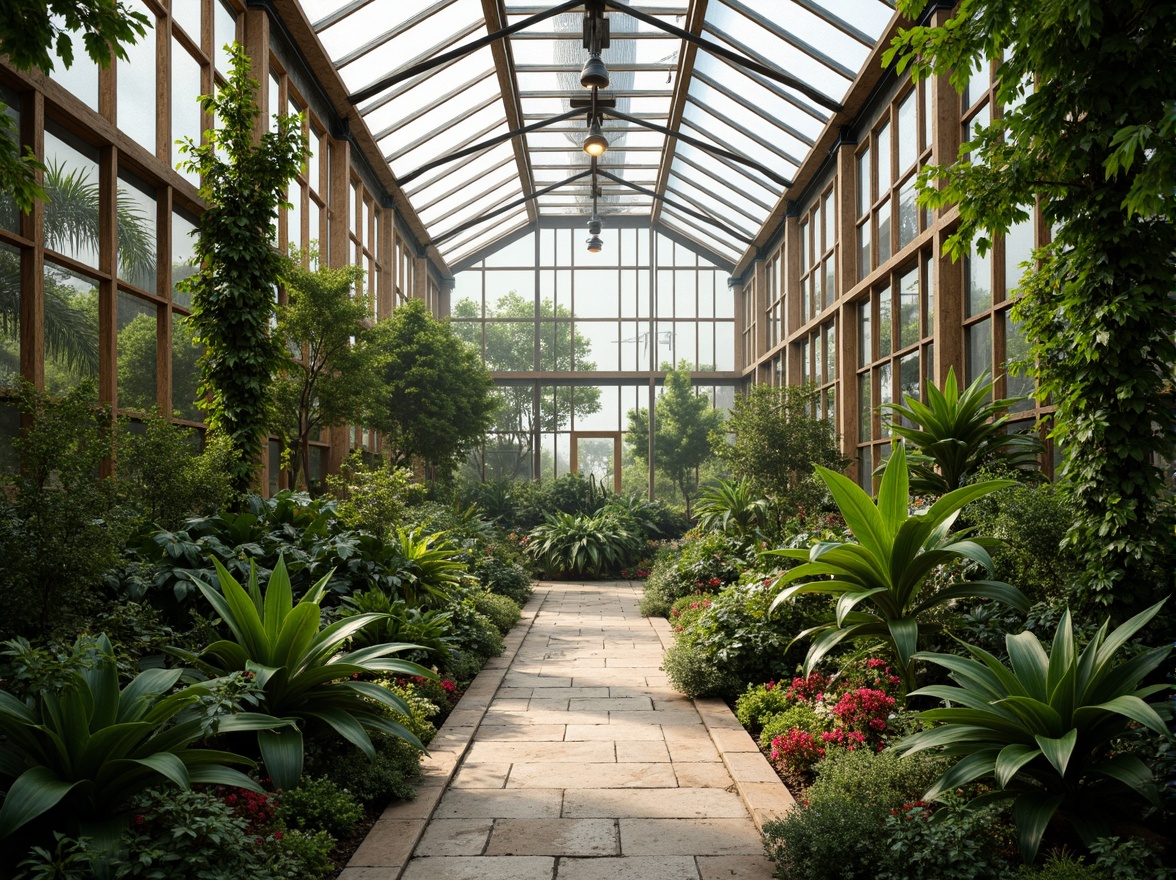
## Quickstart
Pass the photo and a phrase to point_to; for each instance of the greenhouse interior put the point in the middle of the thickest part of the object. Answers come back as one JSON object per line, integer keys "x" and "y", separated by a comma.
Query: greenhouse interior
{"x": 645, "y": 440}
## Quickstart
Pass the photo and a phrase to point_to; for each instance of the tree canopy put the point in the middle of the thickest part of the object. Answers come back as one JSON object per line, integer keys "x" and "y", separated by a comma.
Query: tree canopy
{"x": 682, "y": 425}
{"x": 773, "y": 440}
{"x": 1087, "y": 130}
{"x": 436, "y": 403}
{"x": 328, "y": 377}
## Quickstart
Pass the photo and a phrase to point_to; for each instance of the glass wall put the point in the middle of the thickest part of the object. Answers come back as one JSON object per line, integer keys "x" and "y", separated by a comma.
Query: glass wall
{"x": 548, "y": 316}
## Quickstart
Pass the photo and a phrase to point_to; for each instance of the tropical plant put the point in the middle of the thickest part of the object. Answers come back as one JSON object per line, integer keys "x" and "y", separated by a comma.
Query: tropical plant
{"x": 89, "y": 745}
{"x": 570, "y": 544}
{"x": 1047, "y": 728}
{"x": 244, "y": 178}
{"x": 960, "y": 432}
{"x": 427, "y": 628}
{"x": 300, "y": 666}
{"x": 731, "y": 506}
{"x": 888, "y": 566}
{"x": 427, "y": 565}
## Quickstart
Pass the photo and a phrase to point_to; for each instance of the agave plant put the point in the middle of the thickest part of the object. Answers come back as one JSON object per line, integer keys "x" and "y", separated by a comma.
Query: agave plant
{"x": 89, "y": 746}
{"x": 302, "y": 669}
{"x": 879, "y": 580}
{"x": 1045, "y": 730}
{"x": 958, "y": 433}
{"x": 730, "y": 506}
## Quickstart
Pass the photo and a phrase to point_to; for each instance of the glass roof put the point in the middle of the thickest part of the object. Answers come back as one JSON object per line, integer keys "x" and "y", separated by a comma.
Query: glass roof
{"x": 484, "y": 142}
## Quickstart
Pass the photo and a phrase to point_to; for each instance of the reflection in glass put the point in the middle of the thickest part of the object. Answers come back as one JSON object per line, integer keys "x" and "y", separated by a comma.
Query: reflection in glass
{"x": 865, "y": 337}
{"x": 866, "y": 469}
{"x": 885, "y": 327}
{"x": 884, "y": 232}
{"x": 863, "y": 250}
{"x": 186, "y": 117}
{"x": 865, "y": 408}
{"x": 884, "y": 172}
{"x": 908, "y": 317}
{"x": 908, "y": 214}
{"x": 886, "y": 391}
{"x": 183, "y": 252}
{"x": 71, "y": 328}
{"x": 864, "y": 191}
{"x": 908, "y": 136}
{"x": 136, "y": 232}
{"x": 9, "y": 316}
{"x": 224, "y": 32}
{"x": 978, "y": 342}
{"x": 137, "y": 360}
{"x": 1018, "y": 244}
{"x": 1019, "y": 383}
{"x": 908, "y": 378}
{"x": 72, "y": 209}
{"x": 185, "y": 355}
{"x": 978, "y": 281}
{"x": 81, "y": 77}
{"x": 9, "y": 106}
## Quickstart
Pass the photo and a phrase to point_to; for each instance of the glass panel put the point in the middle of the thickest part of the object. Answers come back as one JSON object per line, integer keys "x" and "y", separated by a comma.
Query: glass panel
{"x": 224, "y": 32}
{"x": 979, "y": 348}
{"x": 865, "y": 337}
{"x": 9, "y": 106}
{"x": 908, "y": 377}
{"x": 1018, "y": 249}
{"x": 71, "y": 328}
{"x": 294, "y": 216}
{"x": 863, "y": 254}
{"x": 183, "y": 253}
{"x": 885, "y": 392}
{"x": 186, "y": 13}
{"x": 866, "y": 469}
{"x": 830, "y": 282}
{"x": 9, "y": 316}
{"x": 71, "y": 183}
{"x": 830, "y": 354}
{"x": 908, "y": 135}
{"x": 136, "y": 91}
{"x": 883, "y": 148}
{"x": 978, "y": 281}
{"x": 724, "y": 346}
{"x": 908, "y": 214}
{"x": 865, "y": 408}
{"x": 137, "y": 232}
{"x": 137, "y": 354}
{"x": 81, "y": 77}
{"x": 1017, "y": 349}
{"x": 884, "y": 232}
{"x": 185, "y": 354}
{"x": 864, "y": 190}
{"x": 908, "y": 318}
{"x": 885, "y": 328}
{"x": 186, "y": 117}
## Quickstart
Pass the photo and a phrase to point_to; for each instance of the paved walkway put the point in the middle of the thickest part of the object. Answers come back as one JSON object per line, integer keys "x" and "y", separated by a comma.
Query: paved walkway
{"x": 586, "y": 765}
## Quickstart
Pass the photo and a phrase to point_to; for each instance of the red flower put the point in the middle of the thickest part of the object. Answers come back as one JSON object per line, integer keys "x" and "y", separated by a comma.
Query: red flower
{"x": 139, "y": 820}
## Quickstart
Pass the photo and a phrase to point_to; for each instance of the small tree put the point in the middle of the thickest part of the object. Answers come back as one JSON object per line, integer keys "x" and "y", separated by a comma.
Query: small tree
{"x": 437, "y": 401}
{"x": 327, "y": 378}
{"x": 683, "y": 423}
{"x": 772, "y": 440}
{"x": 244, "y": 179}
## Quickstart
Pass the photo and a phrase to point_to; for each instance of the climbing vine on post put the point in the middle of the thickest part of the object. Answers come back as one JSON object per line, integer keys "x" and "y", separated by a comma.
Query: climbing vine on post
{"x": 244, "y": 179}
{"x": 1094, "y": 144}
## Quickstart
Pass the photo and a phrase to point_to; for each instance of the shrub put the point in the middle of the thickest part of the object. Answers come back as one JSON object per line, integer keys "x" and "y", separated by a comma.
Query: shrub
{"x": 798, "y": 717}
{"x": 475, "y": 637}
{"x": 318, "y": 804}
{"x": 685, "y": 611}
{"x": 700, "y": 562}
{"x": 501, "y": 611}
{"x": 503, "y": 578}
{"x": 165, "y": 475}
{"x": 581, "y": 545}
{"x": 761, "y": 702}
{"x": 835, "y": 840}
{"x": 375, "y": 499}
{"x": 374, "y": 783}
{"x": 954, "y": 844}
{"x": 692, "y": 670}
{"x": 731, "y": 507}
{"x": 426, "y": 628}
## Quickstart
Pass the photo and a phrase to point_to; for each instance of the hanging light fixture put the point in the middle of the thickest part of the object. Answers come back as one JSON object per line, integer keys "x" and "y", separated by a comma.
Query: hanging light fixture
{"x": 595, "y": 74}
{"x": 595, "y": 144}
{"x": 595, "y": 244}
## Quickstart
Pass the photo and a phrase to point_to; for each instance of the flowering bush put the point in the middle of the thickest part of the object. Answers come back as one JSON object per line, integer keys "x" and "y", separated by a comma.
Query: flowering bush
{"x": 796, "y": 751}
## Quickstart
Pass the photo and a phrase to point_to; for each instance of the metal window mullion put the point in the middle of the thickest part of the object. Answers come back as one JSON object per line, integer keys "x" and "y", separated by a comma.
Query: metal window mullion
{"x": 440, "y": 99}
{"x": 709, "y": 174}
{"x": 421, "y": 141}
{"x": 775, "y": 120}
{"x": 743, "y": 130}
{"x": 389, "y": 35}
{"x": 757, "y": 223}
{"x": 792, "y": 39}
{"x": 420, "y": 209}
{"x": 718, "y": 142}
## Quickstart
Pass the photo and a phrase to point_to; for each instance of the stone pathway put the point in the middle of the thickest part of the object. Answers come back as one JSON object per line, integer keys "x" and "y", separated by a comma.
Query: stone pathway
{"x": 587, "y": 765}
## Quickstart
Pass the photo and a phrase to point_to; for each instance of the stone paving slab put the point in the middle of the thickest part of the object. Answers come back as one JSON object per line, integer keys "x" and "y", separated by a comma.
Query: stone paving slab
{"x": 573, "y": 759}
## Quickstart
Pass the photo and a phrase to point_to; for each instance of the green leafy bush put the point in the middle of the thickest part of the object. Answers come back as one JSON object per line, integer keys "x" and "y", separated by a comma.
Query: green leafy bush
{"x": 1046, "y": 731}
{"x": 301, "y": 669}
{"x": 318, "y": 804}
{"x": 887, "y": 568}
{"x": 800, "y": 717}
{"x": 427, "y": 629}
{"x": 499, "y": 576}
{"x": 501, "y": 611}
{"x": 164, "y": 474}
{"x": 732, "y": 507}
{"x": 583, "y": 546}
{"x": 692, "y": 670}
{"x": 375, "y": 783}
{"x": 475, "y": 639}
{"x": 699, "y": 562}
{"x": 759, "y": 703}
{"x": 684, "y": 613}
{"x": 875, "y": 779}
{"x": 953, "y": 843}
{"x": 374, "y": 499}
{"x": 835, "y": 840}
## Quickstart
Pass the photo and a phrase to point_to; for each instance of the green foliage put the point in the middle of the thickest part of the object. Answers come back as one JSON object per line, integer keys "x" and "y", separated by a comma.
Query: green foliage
{"x": 776, "y": 442}
{"x": 683, "y": 422}
{"x": 165, "y": 476}
{"x": 1046, "y": 729}
{"x": 374, "y": 498}
{"x": 87, "y": 747}
{"x": 756, "y": 705}
{"x": 1096, "y": 151}
{"x": 327, "y": 377}
{"x": 839, "y": 840}
{"x": 881, "y": 780}
{"x": 800, "y": 717}
{"x": 428, "y": 566}
{"x": 693, "y": 671}
{"x": 582, "y": 546}
{"x": 243, "y": 180}
{"x": 953, "y": 843}
{"x": 960, "y": 432}
{"x": 475, "y": 638}
{"x": 707, "y": 561}
{"x": 28, "y": 32}
{"x": 500, "y": 610}
{"x": 737, "y": 635}
{"x": 730, "y": 506}
{"x": 389, "y": 777}
{"x": 510, "y": 347}
{"x": 425, "y": 628}
{"x": 318, "y": 804}
{"x": 888, "y": 568}
{"x": 436, "y": 404}
{"x": 499, "y": 576}
{"x": 300, "y": 667}
{"x": 59, "y": 525}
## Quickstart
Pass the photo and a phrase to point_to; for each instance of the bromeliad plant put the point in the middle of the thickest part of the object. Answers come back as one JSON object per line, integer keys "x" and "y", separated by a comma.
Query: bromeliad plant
{"x": 879, "y": 580}
{"x": 304, "y": 673}
{"x": 1046, "y": 730}
{"x": 960, "y": 432}
{"x": 88, "y": 746}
